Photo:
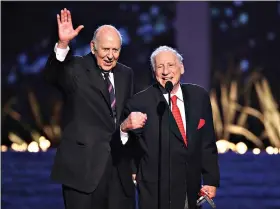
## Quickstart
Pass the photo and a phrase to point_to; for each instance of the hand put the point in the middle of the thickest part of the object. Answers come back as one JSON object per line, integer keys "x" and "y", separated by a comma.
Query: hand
{"x": 65, "y": 28}
{"x": 209, "y": 190}
{"x": 133, "y": 121}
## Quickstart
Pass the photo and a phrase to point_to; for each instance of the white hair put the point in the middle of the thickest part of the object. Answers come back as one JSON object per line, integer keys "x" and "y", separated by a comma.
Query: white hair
{"x": 164, "y": 48}
{"x": 94, "y": 38}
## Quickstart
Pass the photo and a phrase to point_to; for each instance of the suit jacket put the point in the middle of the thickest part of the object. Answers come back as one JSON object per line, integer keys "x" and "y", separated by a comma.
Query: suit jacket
{"x": 90, "y": 134}
{"x": 188, "y": 163}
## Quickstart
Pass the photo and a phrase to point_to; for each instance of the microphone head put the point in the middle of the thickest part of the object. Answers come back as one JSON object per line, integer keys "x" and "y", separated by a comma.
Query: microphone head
{"x": 168, "y": 86}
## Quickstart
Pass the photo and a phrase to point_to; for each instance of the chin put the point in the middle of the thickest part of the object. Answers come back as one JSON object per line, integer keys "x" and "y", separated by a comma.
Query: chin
{"x": 107, "y": 67}
{"x": 165, "y": 81}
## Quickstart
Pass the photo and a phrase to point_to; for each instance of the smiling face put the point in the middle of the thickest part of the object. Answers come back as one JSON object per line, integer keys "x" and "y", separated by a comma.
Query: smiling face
{"x": 106, "y": 48}
{"x": 168, "y": 68}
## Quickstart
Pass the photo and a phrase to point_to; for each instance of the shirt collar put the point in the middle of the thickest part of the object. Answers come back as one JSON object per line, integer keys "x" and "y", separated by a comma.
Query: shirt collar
{"x": 179, "y": 94}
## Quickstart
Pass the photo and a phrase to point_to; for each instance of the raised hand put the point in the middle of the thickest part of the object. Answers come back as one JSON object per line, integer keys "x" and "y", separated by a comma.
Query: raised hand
{"x": 66, "y": 31}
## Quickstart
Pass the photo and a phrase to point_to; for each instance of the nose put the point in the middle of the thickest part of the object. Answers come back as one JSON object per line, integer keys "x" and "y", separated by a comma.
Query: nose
{"x": 110, "y": 55}
{"x": 165, "y": 71}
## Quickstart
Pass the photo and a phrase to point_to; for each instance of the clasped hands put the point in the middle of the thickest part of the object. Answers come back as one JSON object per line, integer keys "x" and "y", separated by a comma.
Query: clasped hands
{"x": 135, "y": 120}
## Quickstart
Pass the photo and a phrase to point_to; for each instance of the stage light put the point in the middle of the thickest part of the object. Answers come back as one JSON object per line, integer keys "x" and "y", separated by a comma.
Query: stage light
{"x": 256, "y": 151}
{"x": 14, "y": 146}
{"x": 275, "y": 151}
{"x": 33, "y": 147}
{"x": 23, "y": 147}
{"x": 44, "y": 144}
{"x": 269, "y": 150}
{"x": 241, "y": 148}
{"x": 222, "y": 146}
{"x": 4, "y": 148}
{"x": 19, "y": 147}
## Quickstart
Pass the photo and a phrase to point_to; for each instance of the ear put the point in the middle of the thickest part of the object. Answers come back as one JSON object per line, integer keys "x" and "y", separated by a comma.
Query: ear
{"x": 182, "y": 68}
{"x": 92, "y": 46}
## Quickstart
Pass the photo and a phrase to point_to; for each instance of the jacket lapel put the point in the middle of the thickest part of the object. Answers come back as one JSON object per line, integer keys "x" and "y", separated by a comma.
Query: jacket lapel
{"x": 187, "y": 109}
{"x": 96, "y": 79}
{"x": 174, "y": 128}
{"x": 191, "y": 117}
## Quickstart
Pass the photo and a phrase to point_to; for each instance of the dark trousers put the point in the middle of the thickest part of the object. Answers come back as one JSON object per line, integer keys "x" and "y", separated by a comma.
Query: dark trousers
{"x": 148, "y": 195}
{"x": 109, "y": 194}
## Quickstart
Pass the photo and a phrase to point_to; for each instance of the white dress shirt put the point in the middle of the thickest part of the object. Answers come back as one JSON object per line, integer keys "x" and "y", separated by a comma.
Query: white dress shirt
{"x": 61, "y": 55}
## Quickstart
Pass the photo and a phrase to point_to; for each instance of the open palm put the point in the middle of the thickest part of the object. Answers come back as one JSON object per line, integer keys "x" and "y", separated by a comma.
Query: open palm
{"x": 66, "y": 31}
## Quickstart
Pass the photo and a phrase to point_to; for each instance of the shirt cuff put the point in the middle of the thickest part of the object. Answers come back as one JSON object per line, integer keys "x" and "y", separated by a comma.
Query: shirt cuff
{"x": 61, "y": 53}
{"x": 124, "y": 137}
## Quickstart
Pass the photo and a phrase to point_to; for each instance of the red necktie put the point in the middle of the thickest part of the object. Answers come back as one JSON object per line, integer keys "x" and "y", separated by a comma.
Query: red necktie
{"x": 177, "y": 115}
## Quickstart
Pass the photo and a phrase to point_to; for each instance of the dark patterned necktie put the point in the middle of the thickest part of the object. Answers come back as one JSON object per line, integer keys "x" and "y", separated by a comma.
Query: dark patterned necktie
{"x": 111, "y": 93}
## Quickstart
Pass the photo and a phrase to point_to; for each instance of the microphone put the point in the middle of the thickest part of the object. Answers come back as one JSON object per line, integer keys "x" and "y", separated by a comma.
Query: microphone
{"x": 161, "y": 108}
{"x": 168, "y": 86}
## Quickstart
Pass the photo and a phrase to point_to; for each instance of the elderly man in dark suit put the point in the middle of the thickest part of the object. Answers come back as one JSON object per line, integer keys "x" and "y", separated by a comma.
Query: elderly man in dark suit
{"x": 91, "y": 162}
{"x": 177, "y": 143}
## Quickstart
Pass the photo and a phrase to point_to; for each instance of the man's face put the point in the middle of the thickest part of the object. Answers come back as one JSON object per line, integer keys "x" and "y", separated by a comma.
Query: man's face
{"x": 107, "y": 50}
{"x": 168, "y": 68}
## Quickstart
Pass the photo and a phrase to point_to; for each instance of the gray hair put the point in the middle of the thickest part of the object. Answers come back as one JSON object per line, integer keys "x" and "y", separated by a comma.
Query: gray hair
{"x": 164, "y": 48}
{"x": 94, "y": 38}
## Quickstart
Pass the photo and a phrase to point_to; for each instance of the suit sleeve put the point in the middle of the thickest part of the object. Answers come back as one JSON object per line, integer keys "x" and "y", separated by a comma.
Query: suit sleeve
{"x": 61, "y": 74}
{"x": 133, "y": 141}
{"x": 210, "y": 167}
{"x": 127, "y": 111}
